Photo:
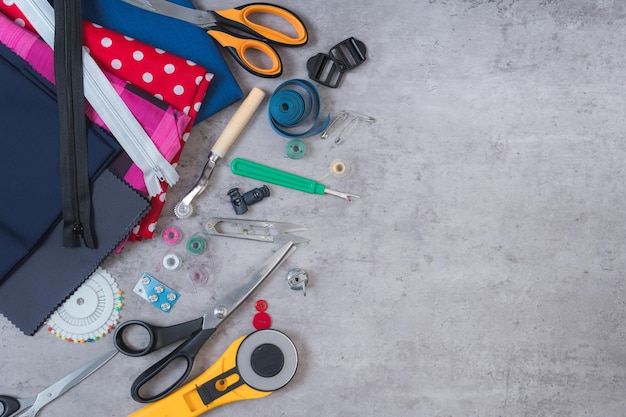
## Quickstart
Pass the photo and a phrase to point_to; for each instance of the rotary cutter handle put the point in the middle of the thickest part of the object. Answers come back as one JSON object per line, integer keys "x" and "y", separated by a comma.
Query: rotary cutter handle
{"x": 264, "y": 173}
{"x": 240, "y": 119}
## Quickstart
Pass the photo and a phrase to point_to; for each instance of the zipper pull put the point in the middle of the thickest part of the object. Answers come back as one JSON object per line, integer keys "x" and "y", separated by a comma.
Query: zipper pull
{"x": 153, "y": 182}
{"x": 158, "y": 173}
{"x": 78, "y": 229}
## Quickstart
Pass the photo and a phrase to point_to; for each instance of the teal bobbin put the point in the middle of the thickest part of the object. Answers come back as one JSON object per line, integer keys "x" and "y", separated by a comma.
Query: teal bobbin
{"x": 296, "y": 149}
{"x": 196, "y": 244}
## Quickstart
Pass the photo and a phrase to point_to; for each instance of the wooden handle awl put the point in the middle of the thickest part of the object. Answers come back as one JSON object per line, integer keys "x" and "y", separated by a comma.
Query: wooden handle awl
{"x": 239, "y": 120}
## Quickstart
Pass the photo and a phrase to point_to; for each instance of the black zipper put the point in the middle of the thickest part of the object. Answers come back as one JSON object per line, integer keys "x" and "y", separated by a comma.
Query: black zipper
{"x": 75, "y": 188}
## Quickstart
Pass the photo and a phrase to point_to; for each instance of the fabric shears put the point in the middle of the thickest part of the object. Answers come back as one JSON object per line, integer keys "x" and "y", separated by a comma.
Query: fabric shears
{"x": 196, "y": 332}
{"x": 29, "y": 407}
{"x": 238, "y": 30}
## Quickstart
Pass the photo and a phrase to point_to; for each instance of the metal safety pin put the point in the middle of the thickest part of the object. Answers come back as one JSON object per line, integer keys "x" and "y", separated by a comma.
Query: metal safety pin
{"x": 346, "y": 120}
{"x": 259, "y": 230}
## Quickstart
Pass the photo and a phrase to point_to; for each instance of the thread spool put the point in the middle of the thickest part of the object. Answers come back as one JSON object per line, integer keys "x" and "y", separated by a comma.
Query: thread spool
{"x": 172, "y": 235}
{"x": 198, "y": 276}
{"x": 171, "y": 261}
{"x": 296, "y": 149}
{"x": 340, "y": 168}
{"x": 196, "y": 245}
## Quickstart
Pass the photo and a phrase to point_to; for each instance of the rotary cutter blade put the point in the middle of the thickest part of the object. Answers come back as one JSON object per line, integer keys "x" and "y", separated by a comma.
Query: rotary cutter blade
{"x": 252, "y": 367}
{"x": 267, "y": 360}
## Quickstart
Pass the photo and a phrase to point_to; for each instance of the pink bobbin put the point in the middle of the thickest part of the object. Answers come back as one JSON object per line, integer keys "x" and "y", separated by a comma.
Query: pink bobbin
{"x": 172, "y": 235}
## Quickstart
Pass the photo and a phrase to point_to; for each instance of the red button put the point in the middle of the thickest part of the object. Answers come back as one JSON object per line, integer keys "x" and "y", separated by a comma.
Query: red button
{"x": 262, "y": 321}
{"x": 261, "y": 305}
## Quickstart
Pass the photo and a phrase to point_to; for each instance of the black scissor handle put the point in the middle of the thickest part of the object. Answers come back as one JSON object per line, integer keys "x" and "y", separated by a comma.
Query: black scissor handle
{"x": 186, "y": 351}
{"x": 159, "y": 336}
{"x": 9, "y": 404}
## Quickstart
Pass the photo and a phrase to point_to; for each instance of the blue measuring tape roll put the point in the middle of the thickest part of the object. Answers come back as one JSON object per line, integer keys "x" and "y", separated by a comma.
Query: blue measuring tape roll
{"x": 295, "y": 108}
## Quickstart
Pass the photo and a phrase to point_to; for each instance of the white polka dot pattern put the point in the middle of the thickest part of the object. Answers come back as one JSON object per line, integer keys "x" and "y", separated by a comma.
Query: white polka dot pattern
{"x": 169, "y": 69}
{"x": 169, "y": 78}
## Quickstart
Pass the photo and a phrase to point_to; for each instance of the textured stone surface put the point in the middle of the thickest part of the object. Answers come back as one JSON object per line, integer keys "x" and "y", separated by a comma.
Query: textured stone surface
{"x": 481, "y": 272}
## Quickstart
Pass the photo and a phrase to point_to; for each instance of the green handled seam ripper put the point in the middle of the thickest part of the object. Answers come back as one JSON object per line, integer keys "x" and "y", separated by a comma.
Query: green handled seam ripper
{"x": 261, "y": 172}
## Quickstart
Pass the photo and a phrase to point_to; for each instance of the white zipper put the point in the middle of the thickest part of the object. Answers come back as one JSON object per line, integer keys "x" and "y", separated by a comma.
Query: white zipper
{"x": 108, "y": 104}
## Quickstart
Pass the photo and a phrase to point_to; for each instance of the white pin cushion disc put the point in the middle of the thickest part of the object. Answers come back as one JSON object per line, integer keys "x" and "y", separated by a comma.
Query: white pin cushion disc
{"x": 267, "y": 360}
{"x": 91, "y": 311}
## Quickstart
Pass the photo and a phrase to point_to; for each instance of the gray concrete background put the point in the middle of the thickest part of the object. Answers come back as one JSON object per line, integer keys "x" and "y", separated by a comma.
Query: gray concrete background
{"x": 481, "y": 272}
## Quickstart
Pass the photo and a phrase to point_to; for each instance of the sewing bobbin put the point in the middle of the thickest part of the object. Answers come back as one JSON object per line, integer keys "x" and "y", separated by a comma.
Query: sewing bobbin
{"x": 172, "y": 235}
{"x": 296, "y": 149}
{"x": 196, "y": 245}
{"x": 171, "y": 261}
{"x": 340, "y": 168}
{"x": 198, "y": 276}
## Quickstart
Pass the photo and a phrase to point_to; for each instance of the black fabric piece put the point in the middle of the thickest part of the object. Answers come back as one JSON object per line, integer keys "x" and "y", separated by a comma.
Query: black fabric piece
{"x": 36, "y": 272}
{"x": 68, "y": 69}
{"x": 29, "y": 162}
{"x": 34, "y": 290}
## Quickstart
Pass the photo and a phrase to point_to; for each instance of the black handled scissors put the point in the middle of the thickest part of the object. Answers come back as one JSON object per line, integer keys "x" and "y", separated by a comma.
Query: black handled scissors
{"x": 197, "y": 331}
{"x": 29, "y": 407}
{"x": 224, "y": 26}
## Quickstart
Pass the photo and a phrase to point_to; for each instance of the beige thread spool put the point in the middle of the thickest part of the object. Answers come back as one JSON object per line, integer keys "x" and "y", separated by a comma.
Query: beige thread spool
{"x": 340, "y": 168}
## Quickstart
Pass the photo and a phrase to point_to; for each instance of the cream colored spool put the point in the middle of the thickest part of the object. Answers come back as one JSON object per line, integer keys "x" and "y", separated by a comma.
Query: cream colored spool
{"x": 339, "y": 168}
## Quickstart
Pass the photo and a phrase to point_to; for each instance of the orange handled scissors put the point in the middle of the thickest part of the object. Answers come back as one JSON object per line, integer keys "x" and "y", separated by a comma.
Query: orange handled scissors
{"x": 239, "y": 32}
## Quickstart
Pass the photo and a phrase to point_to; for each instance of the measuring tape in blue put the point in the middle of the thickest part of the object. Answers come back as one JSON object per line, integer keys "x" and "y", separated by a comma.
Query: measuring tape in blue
{"x": 295, "y": 108}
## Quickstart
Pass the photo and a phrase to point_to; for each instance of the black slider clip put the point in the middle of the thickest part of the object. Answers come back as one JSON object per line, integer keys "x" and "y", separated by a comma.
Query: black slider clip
{"x": 241, "y": 202}
{"x": 328, "y": 69}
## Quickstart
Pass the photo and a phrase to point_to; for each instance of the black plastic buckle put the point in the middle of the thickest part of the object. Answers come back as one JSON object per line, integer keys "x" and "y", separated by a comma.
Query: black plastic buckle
{"x": 328, "y": 69}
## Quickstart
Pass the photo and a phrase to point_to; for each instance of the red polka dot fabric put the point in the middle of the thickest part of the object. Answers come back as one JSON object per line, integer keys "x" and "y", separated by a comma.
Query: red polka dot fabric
{"x": 178, "y": 82}
{"x": 170, "y": 78}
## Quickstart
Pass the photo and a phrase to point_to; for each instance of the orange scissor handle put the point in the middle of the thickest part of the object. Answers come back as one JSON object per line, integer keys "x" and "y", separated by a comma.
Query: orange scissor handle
{"x": 242, "y": 49}
{"x": 242, "y": 17}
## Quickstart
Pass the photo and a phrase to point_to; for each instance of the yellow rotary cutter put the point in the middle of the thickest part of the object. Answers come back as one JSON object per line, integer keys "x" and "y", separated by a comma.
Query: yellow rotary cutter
{"x": 252, "y": 367}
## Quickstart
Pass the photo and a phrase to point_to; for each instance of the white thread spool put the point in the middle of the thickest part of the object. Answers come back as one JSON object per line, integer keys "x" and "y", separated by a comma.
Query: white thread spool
{"x": 171, "y": 261}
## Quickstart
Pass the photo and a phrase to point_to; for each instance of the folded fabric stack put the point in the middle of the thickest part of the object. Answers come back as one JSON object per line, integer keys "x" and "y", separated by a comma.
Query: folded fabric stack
{"x": 166, "y": 91}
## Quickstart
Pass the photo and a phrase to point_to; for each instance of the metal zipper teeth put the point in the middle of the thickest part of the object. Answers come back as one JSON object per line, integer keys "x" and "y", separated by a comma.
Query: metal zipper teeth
{"x": 80, "y": 174}
{"x": 110, "y": 106}
{"x": 73, "y": 161}
{"x": 72, "y": 169}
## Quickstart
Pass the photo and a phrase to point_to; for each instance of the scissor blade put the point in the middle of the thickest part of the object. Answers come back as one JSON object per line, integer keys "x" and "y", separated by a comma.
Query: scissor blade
{"x": 231, "y": 301}
{"x": 71, "y": 380}
{"x": 289, "y": 227}
{"x": 261, "y": 230}
{"x": 200, "y": 18}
